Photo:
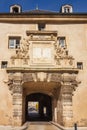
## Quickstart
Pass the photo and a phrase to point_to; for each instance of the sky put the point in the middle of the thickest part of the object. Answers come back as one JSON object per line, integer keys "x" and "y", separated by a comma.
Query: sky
{"x": 51, "y": 5}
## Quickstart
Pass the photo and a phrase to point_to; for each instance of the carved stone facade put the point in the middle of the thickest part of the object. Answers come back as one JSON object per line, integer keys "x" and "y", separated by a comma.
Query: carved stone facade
{"x": 64, "y": 80}
{"x": 55, "y": 55}
{"x": 64, "y": 89}
{"x": 34, "y": 61}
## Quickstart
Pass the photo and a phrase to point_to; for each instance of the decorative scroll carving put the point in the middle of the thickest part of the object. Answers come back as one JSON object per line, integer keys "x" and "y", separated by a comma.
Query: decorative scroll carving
{"x": 10, "y": 81}
{"x": 70, "y": 79}
{"x": 15, "y": 82}
{"x": 62, "y": 53}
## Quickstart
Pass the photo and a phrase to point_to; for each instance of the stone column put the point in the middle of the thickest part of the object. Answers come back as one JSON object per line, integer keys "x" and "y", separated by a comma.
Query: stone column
{"x": 67, "y": 90}
{"x": 17, "y": 99}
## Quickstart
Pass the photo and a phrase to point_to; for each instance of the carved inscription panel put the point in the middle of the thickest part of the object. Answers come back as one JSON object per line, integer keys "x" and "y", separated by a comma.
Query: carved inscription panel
{"x": 42, "y": 52}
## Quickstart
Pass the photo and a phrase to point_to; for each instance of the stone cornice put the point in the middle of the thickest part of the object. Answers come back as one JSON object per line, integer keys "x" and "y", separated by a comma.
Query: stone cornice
{"x": 56, "y": 17}
{"x": 60, "y": 70}
{"x": 34, "y": 32}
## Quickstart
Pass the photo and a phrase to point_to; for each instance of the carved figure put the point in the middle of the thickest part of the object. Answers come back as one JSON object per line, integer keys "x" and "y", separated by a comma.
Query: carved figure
{"x": 62, "y": 53}
{"x": 22, "y": 52}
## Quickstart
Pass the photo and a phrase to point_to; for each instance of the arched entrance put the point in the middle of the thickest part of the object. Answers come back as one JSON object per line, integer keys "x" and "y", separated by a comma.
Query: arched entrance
{"x": 58, "y": 86}
{"x": 38, "y": 107}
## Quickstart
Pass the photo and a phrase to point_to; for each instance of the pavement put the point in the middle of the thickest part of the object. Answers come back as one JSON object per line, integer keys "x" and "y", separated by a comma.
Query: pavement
{"x": 44, "y": 126}
{"x": 68, "y": 128}
{"x": 24, "y": 127}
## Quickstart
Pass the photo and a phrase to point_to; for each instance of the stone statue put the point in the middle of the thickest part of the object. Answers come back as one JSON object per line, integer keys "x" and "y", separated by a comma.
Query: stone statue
{"x": 61, "y": 53}
{"x": 22, "y": 52}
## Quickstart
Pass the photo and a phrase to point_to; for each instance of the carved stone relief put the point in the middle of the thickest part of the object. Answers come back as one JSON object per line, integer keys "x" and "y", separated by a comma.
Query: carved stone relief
{"x": 65, "y": 90}
{"x": 22, "y": 53}
{"x": 57, "y": 53}
{"x": 62, "y": 54}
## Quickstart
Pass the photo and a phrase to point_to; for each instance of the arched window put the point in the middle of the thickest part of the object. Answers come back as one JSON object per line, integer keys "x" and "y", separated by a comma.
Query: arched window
{"x": 15, "y": 9}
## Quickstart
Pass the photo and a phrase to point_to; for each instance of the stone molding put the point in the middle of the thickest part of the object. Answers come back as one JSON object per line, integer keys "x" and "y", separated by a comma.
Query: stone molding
{"x": 65, "y": 79}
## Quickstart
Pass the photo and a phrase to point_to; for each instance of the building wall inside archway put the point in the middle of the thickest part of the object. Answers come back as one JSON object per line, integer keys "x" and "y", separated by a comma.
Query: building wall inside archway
{"x": 44, "y": 111}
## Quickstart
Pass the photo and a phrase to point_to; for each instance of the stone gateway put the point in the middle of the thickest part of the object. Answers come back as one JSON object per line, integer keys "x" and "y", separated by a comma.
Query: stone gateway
{"x": 43, "y": 67}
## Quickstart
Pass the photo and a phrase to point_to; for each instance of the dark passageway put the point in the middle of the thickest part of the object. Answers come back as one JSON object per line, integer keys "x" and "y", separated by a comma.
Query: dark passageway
{"x": 38, "y": 107}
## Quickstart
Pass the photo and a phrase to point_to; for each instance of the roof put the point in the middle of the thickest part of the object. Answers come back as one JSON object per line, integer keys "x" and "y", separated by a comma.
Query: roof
{"x": 36, "y": 16}
{"x": 37, "y": 11}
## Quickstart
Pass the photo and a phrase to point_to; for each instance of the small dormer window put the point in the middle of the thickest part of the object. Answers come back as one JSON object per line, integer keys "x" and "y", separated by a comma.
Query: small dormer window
{"x": 67, "y": 9}
{"x": 15, "y": 9}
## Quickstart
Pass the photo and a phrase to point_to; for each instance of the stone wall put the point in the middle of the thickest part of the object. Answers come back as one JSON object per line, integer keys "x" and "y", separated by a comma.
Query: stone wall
{"x": 76, "y": 39}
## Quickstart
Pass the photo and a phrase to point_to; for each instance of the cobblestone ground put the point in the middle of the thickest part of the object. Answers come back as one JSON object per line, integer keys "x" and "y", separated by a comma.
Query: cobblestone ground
{"x": 42, "y": 126}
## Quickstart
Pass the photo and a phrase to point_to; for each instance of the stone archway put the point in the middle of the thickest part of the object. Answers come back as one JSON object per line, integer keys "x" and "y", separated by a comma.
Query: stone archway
{"x": 46, "y": 88}
{"x": 62, "y": 101}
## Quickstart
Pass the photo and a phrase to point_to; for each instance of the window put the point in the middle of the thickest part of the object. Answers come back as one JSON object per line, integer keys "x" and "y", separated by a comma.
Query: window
{"x": 66, "y": 10}
{"x": 41, "y": 27}
{"x": 4, "y": 64}
{"x": 14, "y": 42}
{"x": 79, "y": 65}
{"x": 61, "y": 41}
{"x": 15, "y": 10}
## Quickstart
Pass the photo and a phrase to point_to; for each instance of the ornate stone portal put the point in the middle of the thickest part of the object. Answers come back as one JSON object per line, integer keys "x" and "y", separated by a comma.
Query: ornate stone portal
{"x": 67, "y": 83}
{"x": 60, "y": 69}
